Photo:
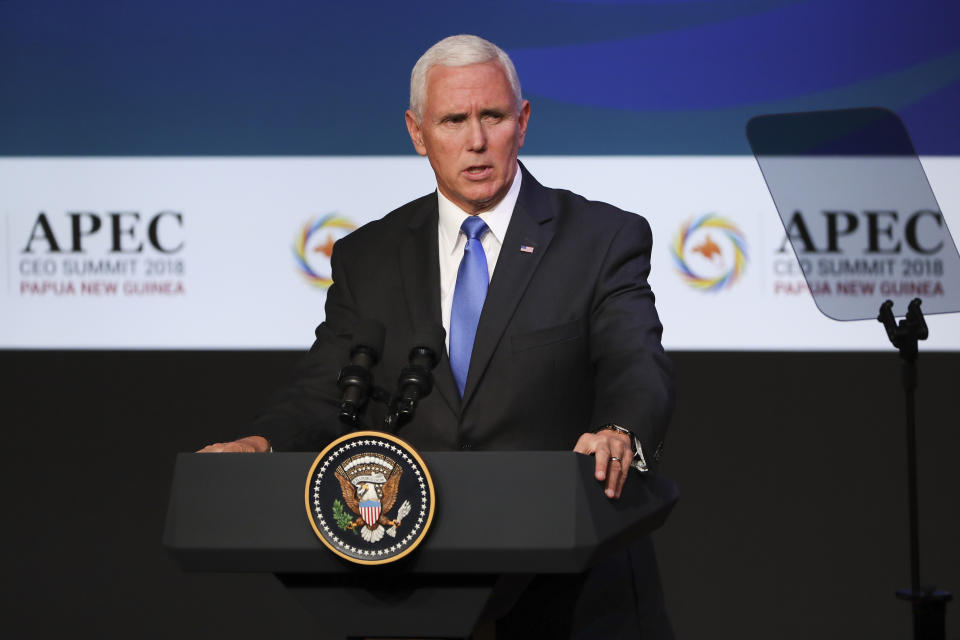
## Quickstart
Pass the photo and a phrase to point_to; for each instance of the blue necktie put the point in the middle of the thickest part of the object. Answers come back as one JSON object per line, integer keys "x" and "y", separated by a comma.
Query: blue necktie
{"x": 468, "y": 296}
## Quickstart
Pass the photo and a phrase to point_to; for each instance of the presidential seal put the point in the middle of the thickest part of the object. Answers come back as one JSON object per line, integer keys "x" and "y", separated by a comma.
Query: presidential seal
{"x": 370, "y": 497}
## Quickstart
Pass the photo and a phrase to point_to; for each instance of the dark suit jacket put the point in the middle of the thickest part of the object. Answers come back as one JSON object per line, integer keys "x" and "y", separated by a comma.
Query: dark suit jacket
{"x": 568, "y": 340}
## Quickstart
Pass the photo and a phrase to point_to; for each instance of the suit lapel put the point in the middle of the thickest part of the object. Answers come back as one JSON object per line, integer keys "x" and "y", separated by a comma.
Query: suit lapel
{"x": 531, "y": 226}
{"x": 420, "y": 273}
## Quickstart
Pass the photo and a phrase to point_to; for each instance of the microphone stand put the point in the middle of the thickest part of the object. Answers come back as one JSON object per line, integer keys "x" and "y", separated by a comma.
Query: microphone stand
{"x": 928, "y": 602}
{"x": 415, "y": 382}
{"x": 356, "y": 379}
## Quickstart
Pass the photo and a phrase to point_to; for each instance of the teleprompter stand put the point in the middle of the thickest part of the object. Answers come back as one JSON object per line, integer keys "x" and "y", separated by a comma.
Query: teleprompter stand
{"x": 860, "y": 165}
{"x": 247, "y": 513}
{"x": 929, "y": 602}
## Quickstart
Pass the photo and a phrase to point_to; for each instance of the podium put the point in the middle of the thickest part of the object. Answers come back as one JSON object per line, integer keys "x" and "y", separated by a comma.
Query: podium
{"x": 502, "y": 517}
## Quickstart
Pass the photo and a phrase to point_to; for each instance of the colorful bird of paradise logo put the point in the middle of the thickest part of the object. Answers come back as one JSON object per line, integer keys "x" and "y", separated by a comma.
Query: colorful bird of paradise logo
{"x": 315, "y": 239}
{"x": 710, "y": 253}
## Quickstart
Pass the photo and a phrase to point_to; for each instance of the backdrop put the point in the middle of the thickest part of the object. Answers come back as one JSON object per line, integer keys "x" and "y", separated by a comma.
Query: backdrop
{"x": 170, "y": 174}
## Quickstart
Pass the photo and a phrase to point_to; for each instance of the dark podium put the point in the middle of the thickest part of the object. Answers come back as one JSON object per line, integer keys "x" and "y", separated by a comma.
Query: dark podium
{"x": 501, "y": 518}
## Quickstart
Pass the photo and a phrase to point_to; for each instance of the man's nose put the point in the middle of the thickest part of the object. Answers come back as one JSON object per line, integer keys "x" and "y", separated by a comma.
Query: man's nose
{"x": 477, "y": 137}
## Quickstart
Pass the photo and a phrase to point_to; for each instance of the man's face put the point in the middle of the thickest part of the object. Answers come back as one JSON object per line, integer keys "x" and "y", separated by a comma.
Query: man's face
{"x": 471, "y": 132}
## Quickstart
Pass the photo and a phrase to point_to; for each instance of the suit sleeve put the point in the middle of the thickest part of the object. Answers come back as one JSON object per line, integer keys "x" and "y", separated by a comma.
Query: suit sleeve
{"x": 304, "y": 415}
{"x": 633, "y": 378}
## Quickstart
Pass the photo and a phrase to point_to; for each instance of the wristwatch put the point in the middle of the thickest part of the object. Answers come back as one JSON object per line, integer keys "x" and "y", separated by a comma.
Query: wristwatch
{"x": 639, "y": 462}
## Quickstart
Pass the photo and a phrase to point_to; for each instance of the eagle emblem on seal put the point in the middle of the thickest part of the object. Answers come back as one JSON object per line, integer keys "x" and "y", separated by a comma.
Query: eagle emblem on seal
{"x": 369, "y": 483}
{"x": 369, "y": 497}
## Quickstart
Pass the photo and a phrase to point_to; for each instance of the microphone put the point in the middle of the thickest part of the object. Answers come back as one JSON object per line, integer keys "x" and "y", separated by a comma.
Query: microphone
{"x": 416, "y": 381}
{"x": 355, "y": 379}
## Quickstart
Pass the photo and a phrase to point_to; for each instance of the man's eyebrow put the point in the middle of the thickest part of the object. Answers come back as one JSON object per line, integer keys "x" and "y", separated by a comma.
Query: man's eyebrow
{"x": 492, "y": 112}
{"x": 448, "y": 117}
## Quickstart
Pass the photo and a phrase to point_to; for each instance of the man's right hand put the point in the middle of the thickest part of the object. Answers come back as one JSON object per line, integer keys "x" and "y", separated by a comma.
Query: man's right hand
{"x": 250, "y": 444}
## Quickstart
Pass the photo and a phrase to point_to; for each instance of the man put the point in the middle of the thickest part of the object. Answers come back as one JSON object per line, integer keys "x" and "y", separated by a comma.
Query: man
{"x": 553, "y": 341}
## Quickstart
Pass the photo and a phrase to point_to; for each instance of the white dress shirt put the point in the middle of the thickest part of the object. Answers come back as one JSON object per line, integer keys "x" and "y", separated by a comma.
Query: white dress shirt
{"x": 451, "y": 241}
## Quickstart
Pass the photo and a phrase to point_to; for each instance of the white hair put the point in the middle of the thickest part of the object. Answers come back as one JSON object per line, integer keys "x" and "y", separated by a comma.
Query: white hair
{"x": 458, "y": 51}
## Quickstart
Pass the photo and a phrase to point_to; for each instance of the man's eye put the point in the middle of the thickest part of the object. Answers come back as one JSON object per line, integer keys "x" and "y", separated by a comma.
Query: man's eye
{"x": 492, "y": 117}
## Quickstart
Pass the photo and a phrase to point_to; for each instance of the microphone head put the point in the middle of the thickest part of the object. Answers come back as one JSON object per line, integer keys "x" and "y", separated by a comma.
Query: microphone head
{"x": 368, "y": 333}
{"x": 429, "y": 338}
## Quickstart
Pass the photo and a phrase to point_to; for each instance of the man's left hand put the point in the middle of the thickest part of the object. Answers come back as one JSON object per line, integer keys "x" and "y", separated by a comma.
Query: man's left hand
{"x": 613, "y": 454}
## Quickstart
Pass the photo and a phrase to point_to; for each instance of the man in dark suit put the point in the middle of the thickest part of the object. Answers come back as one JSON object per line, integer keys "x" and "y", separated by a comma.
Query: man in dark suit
{"x": 565, "y": 353}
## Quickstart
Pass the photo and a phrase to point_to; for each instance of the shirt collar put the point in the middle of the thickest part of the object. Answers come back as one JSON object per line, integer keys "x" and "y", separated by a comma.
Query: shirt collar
{"x": 497, "y": 219}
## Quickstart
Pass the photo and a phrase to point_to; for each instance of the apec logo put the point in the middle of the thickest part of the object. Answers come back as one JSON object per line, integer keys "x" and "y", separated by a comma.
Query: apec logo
{"x": 127, "y": 232}
{"x": 104, "y": 254}
{"x": 709, "y": 253}
{"x": 864, "y": 253}
{"x": 313, "y": 247}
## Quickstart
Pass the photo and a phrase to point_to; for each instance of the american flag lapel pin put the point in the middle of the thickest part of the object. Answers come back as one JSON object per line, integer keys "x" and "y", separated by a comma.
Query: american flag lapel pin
{"x": 526, "y": 248}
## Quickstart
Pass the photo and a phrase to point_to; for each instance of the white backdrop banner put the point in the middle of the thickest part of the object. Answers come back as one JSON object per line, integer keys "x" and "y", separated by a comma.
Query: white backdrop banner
{"x": 233, "y": 253}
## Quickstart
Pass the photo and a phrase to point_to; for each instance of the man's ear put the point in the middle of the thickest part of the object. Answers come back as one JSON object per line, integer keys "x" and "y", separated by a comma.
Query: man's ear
{"x": 523, "y": 119}
{"x": 416, "y": 132}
